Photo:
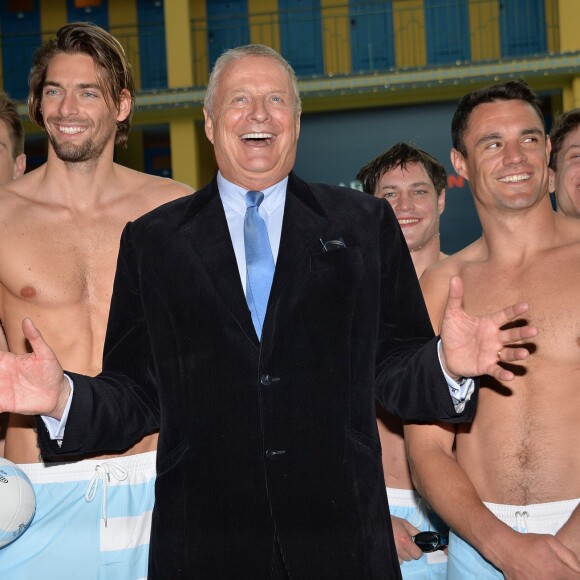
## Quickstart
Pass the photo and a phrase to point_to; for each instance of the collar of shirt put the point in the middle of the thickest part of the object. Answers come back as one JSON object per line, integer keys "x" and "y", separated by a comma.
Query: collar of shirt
{"x": 234, "y": 197}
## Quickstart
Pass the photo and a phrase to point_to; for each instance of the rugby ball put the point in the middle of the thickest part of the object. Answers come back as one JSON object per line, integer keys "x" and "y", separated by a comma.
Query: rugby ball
{"x": 17, "y": 502}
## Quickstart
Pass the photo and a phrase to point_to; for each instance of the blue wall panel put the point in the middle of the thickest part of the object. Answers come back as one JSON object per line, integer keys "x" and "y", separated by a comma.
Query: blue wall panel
{"x": 152, "y": 47}
{"x": 301, "y": 35}
{"x": 98, "y": 15}
{"x": 371, "y": 35}
{"x": 20, "y": 37}
{"x": 227, "y": 26}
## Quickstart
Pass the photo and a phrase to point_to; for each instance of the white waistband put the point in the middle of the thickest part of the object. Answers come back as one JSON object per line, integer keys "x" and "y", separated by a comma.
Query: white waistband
{"x": 404, "y": 497}
{"x": 55, "y": 472}
{"x": 536, "y": 510}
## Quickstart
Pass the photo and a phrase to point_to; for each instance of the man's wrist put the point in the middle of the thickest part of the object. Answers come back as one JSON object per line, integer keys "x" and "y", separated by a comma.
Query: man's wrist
{"x": 459, "y": 379}
{"x": 63, "y": 400}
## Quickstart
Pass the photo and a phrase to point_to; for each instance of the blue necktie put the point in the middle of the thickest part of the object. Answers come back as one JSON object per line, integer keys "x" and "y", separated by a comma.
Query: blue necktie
{"x": 259, "y": 262}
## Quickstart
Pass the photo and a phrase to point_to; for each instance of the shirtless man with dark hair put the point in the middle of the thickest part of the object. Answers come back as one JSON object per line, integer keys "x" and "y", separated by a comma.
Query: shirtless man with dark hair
{"x": 414, "y": 183}
{"x": 508, "y": 485}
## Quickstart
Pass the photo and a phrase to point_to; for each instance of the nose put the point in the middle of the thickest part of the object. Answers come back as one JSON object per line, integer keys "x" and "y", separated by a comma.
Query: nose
{"x": 259, "y": 110}
{"x": 403, "y": 202}
{"x": 514, "y": 153}
{"x": 68, "y": 105}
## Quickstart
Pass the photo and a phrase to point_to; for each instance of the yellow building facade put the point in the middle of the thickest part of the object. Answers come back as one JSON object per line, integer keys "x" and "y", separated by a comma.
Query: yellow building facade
{"x": 340, "y": 83}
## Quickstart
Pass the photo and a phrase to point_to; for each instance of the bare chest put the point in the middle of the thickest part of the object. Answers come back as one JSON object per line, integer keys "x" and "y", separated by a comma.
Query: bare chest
{"x": 520, "y": 447}
{"x": 551, "y": 288}
{"x": 59, "y": 264}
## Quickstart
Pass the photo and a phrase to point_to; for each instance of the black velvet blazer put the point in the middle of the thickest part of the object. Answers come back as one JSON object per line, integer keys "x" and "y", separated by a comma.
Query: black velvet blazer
{"x": 273, "y": 442}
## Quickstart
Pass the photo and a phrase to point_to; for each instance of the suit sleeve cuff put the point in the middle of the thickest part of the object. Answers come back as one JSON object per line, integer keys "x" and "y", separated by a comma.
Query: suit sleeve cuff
{"x": 460, "y": 391}
{"x": 55, "y": 427}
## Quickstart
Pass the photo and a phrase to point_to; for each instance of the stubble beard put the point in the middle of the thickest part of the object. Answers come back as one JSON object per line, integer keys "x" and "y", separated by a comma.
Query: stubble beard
{"x": 88, "y": 150}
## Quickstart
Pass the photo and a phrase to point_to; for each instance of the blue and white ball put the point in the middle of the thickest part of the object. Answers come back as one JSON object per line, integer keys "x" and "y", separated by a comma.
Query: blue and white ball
{"x": 17, "y": 502}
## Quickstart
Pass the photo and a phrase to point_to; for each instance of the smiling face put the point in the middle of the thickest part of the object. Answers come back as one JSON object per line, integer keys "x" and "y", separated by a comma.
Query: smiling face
{"x": 414, "y": 199}
{"x": 80, "y": 122}
{"x": 566, "y": 180}
{"x": 254, "y": 127}
{"x": 507, "y": 155}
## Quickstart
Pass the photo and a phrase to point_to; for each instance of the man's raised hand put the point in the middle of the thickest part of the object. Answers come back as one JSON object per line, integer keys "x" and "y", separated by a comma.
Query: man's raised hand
{"x": 475, "y": 345}
{"x": 33, "y": 383}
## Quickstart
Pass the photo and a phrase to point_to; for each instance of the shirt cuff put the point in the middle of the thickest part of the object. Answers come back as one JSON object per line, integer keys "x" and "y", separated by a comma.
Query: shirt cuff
{"x": 54, "y": 426}
{"x": 460, "y": 391}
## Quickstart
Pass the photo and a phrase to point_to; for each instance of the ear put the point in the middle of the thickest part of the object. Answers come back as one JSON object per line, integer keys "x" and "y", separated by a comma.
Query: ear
{"x": 298, "y": 127}
{"x": 551, "y": 180}
{"x": 548, "y": 149}
{"x": 125, "y": 105}
{"x": 441, "y": 201}
{"x": 208, "y": 125}
{"x": 19, "y": 166}
{"x": 459, "y": 164}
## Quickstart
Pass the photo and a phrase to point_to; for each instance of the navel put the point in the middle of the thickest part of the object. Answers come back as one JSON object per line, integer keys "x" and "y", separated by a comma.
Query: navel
{"x": 28, "y": 292}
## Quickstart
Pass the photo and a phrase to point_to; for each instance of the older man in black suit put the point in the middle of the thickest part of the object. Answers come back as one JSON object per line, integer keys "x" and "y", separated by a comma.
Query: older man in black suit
{"x": 254, "y": 323}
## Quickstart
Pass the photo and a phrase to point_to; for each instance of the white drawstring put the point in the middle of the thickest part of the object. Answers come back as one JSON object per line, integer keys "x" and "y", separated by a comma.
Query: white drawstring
{"x": 522, "y": 521}
{"x": 103, "y": 473}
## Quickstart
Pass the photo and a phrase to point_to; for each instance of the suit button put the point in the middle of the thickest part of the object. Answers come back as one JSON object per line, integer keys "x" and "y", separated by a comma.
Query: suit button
{"x": 272, "y": 453}
{"x": 267, "y": 379}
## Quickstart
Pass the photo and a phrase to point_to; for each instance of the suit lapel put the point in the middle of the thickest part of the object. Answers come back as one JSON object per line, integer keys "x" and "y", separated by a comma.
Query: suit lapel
{"x": 304, "y": 221}
{"x": 207, "y": 230}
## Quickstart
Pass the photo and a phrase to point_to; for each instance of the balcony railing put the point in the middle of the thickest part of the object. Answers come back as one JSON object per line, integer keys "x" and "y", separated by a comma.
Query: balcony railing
{"x": 349, "y": 38}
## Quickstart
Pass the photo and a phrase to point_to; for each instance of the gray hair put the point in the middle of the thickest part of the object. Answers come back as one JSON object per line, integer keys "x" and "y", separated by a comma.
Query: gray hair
{"x": 237, "y": 54}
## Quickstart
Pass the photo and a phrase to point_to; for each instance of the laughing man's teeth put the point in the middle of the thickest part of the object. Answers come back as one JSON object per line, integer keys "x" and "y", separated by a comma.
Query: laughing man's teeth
{"x": 257, "y": 136}
{"x": 71, "y": 130}
{"x": 514, "y": 178}
{"x": 408, "y": 221}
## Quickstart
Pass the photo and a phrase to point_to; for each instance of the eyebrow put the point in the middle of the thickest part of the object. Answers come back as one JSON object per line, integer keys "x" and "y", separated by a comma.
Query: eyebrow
{"x": 415, "y": 184}
{"x": 533, "y": 131}
{"x": 570, "y": 147}
{"x": 79, "y": 85}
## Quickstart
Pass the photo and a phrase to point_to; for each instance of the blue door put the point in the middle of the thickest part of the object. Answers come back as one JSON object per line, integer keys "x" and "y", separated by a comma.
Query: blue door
{"x": 97, "y": 14}
{"x": 371, "y": 35}
{"x": 301, "y": 35}
{"x": 227, "y": 26}
{"x": 152, "y": 49}
{"x": 447, "y": 28}
{"x": 157, "y": 150}
{"x": 523, "y": 27}
{"x": 20, "y": 37}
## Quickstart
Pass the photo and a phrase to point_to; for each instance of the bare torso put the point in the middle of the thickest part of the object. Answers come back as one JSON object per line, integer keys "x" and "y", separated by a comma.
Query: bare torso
{"x": 522, "y": 447}
{"x": 58, "y": 263}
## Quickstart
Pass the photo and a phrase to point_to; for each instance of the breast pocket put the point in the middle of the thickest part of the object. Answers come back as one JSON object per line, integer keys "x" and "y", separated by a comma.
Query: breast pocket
{"x": 344, "y": 260}
{"x": 332, "y": 286}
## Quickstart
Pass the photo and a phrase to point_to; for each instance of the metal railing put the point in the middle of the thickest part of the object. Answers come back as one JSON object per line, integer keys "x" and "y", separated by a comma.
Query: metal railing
{"x": 348, "y": 38}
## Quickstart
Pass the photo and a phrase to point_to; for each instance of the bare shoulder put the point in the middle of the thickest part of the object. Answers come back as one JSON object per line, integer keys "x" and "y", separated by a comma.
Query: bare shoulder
{"x": 569, "y": 228}
{"x": 452, "y": 265}
{"x": 151, "y": 191}
{"x": 439, "y": 273}
{"x": 19, "y": 195}
{"x": 435, "y": 279}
